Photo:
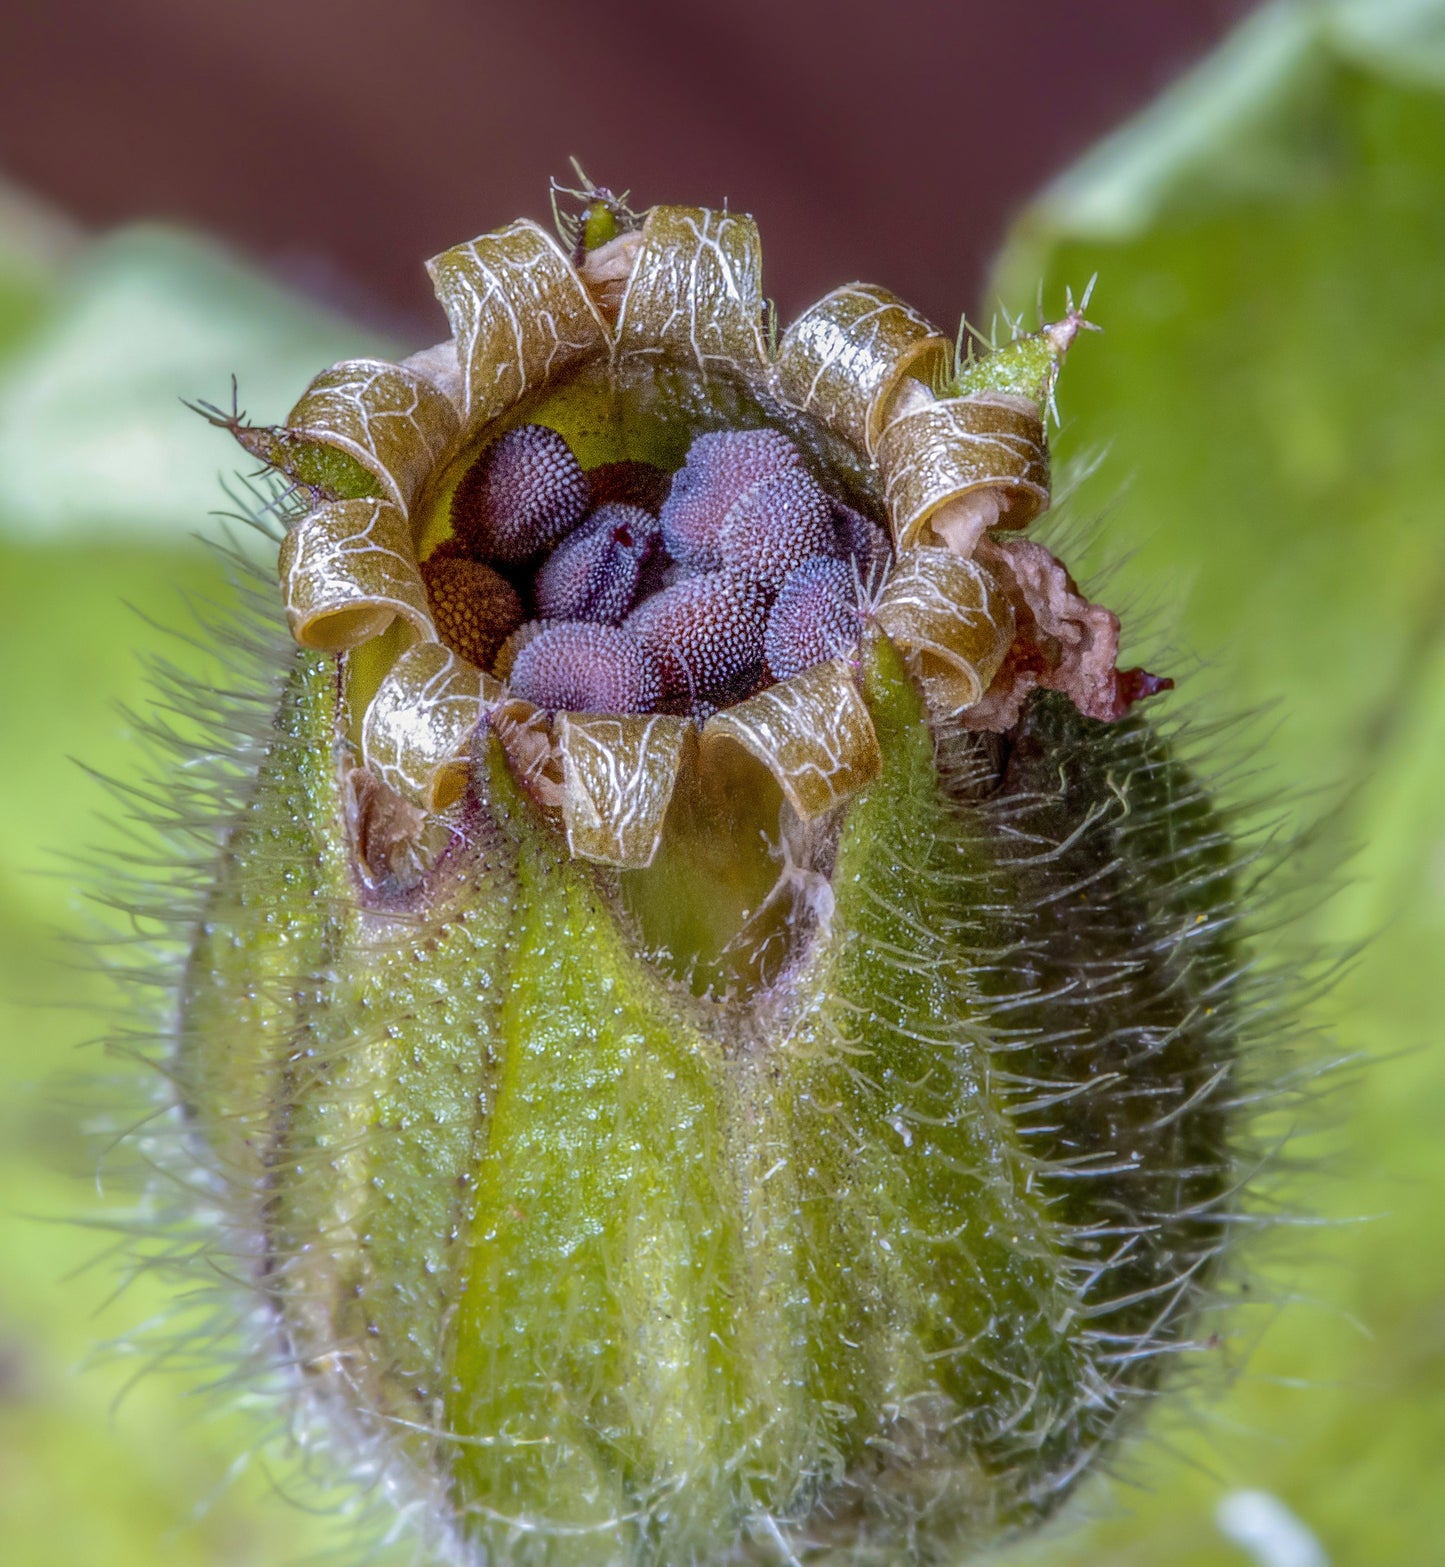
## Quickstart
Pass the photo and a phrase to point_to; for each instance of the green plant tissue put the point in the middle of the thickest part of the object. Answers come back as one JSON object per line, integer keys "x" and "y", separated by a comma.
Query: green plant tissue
{"x": 1267, "y": 401}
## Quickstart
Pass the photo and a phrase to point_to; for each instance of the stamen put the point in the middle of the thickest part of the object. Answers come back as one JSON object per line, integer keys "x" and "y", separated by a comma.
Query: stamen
{"x": 814, "y": 619}
{"x": 859, "y": 538}
{"x": 520, "y": 496}
{"x": 774, "y": 527}
{"x": 579, "y": 666}
{"x": 706, "y": 636}
{"x": 474, "y": 608}
{"x": 720, "y": 468}
{"x": 629, "y": 484}
{"x": 593, "y": 575}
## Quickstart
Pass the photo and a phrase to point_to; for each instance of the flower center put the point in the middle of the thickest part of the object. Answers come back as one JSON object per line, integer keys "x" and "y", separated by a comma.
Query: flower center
{"x": 663, "y": 545}
{"x": 648, "y": 540}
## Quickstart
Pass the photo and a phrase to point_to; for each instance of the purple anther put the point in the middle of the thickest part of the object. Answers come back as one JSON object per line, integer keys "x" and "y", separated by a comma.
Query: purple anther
{"x": 860, "y": 539}
{"x": 593, "y": 574}
{"x": 720, "y": 467}
{"x": 773, "y": 528}
{"x": 580, "y": 666}
{"x": 520, "y": 496}
{"x": 629, "y": 483}
{"x": 815, "y": 617}
{"x": 706, "y": 635}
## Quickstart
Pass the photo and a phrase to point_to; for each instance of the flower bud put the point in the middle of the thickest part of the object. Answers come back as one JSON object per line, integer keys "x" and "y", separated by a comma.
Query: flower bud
{"x": 782, "y": 1115}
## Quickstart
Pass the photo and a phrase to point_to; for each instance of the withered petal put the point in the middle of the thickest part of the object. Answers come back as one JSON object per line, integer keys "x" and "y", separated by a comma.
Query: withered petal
{"x": 842, "y": 360}
{"x": 347, "y": 570}
{"x": 1063, "y": 643}
{"x": 417, "y": 730}
{"x": 811, "y": 731}
{"x": 952, "y": 623}
{"x": 618, "y": 774}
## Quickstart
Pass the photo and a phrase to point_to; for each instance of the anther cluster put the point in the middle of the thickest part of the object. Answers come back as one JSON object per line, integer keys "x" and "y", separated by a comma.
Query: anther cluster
{"x": 628, "y": 589}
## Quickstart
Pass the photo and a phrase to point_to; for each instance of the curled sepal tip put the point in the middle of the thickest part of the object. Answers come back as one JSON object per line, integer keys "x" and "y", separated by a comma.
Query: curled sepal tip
{"x": 952, "y": 623}
{"x": 519, "y": 313}
{"x": 390, "y": 420}
{"x": 955, "y": 466}
{"x": 416, "y": 735}
{"x": 1028, "y": 365}
{"x": 618, "y": 774}
{"x": 696, "y": 290}
{"x": 844, "y": 358}
{"x": 347, "y": 570}
{"x": 811, "y": 731}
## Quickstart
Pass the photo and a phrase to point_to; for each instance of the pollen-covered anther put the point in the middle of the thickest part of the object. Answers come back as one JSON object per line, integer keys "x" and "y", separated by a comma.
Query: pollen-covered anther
{"x": 720, "y": 468}
{"x": 815, "y": 618}
{"x": 580, "y": 666}
{"x": 475, "y": 608}
{"x": 862, "y": 541}
{"x": 772, "y": 529}
{"x": 521, "y": 495}
{"x": 593, "y": 574}
{"x": 706, "y": 636}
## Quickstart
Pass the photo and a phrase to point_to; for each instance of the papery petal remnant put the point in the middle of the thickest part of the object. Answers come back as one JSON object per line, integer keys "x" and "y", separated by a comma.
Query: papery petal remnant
{"x": 523, "y": 493}
{"x": 1062, "y": 643}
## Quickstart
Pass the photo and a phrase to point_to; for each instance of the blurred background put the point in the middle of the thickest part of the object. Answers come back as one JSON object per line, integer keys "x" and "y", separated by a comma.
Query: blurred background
{"x": 188, "y": 192}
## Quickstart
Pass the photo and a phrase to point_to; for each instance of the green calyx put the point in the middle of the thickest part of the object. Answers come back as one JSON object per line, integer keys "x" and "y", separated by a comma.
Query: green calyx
{"x": 1026, "y": 366}
{"x": 786, "y": 1126}
{"x": 625, "y": 1276}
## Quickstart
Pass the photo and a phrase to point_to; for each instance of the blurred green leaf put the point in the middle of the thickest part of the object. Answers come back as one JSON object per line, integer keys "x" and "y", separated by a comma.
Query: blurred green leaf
{"x": 93, "y": 434}
{"x": 103, "y": 478}
{"x": 1269, "y": 388}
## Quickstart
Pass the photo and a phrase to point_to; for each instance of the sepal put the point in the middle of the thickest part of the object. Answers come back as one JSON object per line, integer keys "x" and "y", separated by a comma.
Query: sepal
{"x": 390, "y": 420}
{"x": 952, "y": 623}
{"x": 618, "y": 774}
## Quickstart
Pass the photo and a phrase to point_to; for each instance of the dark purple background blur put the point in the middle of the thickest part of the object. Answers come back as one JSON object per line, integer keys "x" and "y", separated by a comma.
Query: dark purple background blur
{"x": 340, "y": 141}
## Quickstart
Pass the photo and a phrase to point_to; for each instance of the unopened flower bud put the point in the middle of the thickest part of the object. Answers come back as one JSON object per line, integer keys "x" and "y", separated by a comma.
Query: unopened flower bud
{"x": 677, "y": 1106}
